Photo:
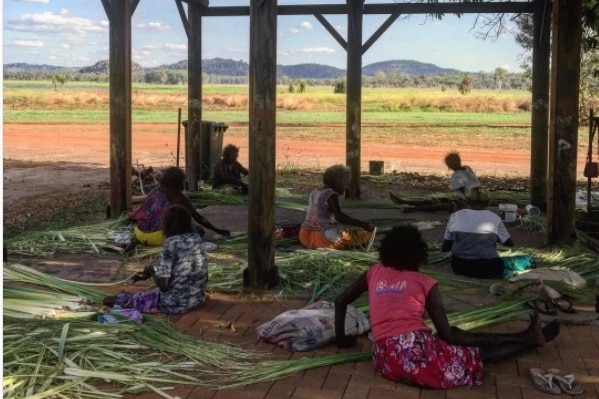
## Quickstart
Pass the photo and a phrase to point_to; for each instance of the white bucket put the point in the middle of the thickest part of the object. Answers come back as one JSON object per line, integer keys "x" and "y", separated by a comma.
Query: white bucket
{"x": 508, "y": 212}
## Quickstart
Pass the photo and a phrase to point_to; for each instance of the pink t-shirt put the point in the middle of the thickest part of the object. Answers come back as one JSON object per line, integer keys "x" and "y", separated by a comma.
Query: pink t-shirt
{"x": 396, "y": 300}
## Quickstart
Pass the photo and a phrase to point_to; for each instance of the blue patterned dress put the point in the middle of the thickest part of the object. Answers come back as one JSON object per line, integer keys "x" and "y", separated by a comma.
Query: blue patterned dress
{"x": 183, "y": 260}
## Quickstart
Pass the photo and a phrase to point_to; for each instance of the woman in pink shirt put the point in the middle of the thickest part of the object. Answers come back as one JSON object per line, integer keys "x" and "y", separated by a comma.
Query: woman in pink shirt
{"x": 405, "y": 349}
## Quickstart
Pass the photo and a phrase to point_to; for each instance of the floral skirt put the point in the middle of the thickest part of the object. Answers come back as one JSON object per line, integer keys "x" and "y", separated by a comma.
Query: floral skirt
{"x": 423, "y": 359}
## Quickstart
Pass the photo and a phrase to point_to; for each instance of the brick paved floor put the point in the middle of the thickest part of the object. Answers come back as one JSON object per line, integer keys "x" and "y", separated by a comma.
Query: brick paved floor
{"x": 576, "y": 350}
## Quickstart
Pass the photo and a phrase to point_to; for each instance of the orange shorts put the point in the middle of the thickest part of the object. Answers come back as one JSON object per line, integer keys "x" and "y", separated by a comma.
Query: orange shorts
{"x": 349, "y": 239}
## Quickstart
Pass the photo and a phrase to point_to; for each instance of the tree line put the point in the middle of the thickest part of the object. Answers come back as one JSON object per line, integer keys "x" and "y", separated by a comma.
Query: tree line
{"x": 500, "y": 79}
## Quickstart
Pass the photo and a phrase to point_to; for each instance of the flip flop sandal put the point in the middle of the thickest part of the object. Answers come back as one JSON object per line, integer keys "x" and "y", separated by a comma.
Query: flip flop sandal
{"x": 566, "y": 382}
{"x": 543, "y": 306}
{"x": 543, "y": 381}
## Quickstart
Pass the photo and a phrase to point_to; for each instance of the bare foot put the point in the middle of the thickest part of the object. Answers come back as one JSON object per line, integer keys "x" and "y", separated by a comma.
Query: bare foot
{"x": 551, "y": 330}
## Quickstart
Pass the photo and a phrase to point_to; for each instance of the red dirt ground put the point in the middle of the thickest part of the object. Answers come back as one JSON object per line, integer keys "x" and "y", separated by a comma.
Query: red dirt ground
{"x": 156, "y": 144}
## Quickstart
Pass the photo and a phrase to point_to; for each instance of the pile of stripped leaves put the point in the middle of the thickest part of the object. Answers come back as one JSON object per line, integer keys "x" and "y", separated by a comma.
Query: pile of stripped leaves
{"x": 76, "y": 357}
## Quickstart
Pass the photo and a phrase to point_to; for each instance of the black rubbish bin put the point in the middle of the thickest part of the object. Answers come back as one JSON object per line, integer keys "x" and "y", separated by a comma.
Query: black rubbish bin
{"x": 211, "y": 146}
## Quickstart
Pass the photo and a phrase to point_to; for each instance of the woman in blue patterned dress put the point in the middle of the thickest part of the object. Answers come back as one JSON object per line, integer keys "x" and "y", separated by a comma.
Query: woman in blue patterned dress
{"x": 181, "y": 274}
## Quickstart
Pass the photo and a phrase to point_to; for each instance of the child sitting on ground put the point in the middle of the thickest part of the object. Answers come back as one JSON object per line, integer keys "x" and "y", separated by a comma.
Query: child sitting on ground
{"x": 181, "y": 274}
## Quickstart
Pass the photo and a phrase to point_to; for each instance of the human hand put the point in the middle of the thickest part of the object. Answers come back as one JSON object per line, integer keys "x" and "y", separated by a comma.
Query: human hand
{"x": 149, "y": 270}
{"x": 225, "y": 233}
{"x": 346, "y": 341}
{"x": 140, "y": 276}
{"x": 369, "y": 227}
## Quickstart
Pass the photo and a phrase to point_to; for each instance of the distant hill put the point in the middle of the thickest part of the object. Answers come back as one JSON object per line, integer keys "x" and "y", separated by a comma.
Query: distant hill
{"x": 310, "y": 71}
{"x": 406, "y": 67}
{"x": 213, "y": 66}
{"x": 22, "y": 66}
{"x": 229, "y": 67}
{"x": 101, "y": 67}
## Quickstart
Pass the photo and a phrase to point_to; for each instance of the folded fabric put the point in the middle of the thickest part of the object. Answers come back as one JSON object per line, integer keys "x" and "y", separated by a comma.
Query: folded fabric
{"x": 566, "y": 276}
{"x": 311, "y": 327}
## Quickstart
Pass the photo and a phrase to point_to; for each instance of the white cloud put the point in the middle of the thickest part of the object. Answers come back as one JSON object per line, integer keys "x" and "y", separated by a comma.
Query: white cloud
{"x": 29, "y": 43}
{"x": 302, "y": 26}
{"x": 65, "y": 46}
{"x": 140, "y": 53}
{"x": 34, "y": 1}
{"x": 53, "y": 23}
{"x": 317, "y": 50}
{"x": 175, "y": 47}
{"x": 154, "y": 26}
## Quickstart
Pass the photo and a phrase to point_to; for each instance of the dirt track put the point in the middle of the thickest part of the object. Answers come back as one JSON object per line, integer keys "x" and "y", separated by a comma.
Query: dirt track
{"x": 156, "y": 145}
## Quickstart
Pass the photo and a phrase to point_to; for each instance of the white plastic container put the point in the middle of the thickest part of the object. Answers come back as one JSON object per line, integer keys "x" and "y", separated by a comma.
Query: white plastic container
{"x": 508, "y": 212}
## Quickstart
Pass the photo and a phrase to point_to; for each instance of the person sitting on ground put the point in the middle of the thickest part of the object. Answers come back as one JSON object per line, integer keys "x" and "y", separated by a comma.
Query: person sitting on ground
{"x": 228, "y": 171}
{"x": 325, "y": 224}
{"x": 462, "y": 180}
{"x": 181, "y": 274}
{"x": 472, "y": 235}
{"x": 148, "y": 215}
{"x": 405, "y": 349}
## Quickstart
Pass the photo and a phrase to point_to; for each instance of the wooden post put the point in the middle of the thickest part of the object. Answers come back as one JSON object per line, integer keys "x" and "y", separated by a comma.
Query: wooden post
{"x": 178, "y": 135}
{"x": 563, "y": 142}
{"x": 539, "y": 139}
{"x": 353, "y": 117}
{"x": 262, "y": 127}
{"x": 119, "y": 15}
{"x": 194, "y": 95}
{"x": 592, "y": 130}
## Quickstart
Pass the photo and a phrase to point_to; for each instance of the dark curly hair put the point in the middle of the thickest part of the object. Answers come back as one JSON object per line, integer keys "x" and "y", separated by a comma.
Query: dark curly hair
{"x": 453, "y": 161}
{"x": 230, "y": 149}
{"x": 173, "y": 177}
{"x": 336, "y": 174}
{"x": 403, "y": 248}
{"x": 176, "y": 220}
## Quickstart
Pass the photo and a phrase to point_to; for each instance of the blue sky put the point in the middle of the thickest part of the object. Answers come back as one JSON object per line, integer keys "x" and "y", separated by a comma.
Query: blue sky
{"x": 75, "y": 33}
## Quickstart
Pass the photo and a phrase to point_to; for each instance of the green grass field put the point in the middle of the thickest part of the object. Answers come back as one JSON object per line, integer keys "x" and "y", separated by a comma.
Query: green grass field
{"x": 87, "y": 102}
